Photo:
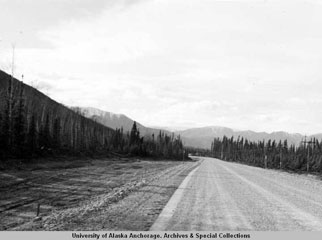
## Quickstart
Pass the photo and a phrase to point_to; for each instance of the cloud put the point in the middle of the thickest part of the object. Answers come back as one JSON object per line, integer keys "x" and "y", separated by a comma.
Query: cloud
{"x": 244, "y": 64}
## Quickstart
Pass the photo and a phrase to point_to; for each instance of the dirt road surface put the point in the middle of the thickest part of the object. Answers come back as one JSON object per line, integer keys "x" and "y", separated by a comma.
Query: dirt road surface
{"x": 222, "y": 195}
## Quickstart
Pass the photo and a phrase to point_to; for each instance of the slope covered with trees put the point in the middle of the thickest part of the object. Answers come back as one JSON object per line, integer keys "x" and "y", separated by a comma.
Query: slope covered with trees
{"x": 270, "y": 154}
{"x": 32, "y": 125}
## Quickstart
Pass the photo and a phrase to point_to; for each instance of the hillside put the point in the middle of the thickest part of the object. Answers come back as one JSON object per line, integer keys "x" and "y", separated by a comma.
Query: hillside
{"x": 35, "y": 101}
{"x": 39, "y": 123}
{"x": 114, "y": 121}
{"x": 33, "y": 124}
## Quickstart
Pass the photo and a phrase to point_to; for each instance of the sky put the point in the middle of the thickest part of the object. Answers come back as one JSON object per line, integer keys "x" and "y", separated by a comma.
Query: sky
{"x": 244, "y": 64}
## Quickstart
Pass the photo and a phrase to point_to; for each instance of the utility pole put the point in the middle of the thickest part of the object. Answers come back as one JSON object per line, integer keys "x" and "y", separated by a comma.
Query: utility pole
{"x": 265, "y": 156}
{"x": 281, "y": 153}
{"x": 308, "y": 151}
{"x": 183, "y": 150}
{"x": 222, "y": 152}
{"x": 183, "y": 155}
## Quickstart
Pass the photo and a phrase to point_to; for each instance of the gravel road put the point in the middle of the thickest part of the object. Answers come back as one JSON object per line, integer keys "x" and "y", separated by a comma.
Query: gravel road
{"x": 222, "y": 195}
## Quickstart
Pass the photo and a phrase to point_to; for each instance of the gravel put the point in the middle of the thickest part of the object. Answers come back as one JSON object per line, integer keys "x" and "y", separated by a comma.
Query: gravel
{"x": 228, "y": 196}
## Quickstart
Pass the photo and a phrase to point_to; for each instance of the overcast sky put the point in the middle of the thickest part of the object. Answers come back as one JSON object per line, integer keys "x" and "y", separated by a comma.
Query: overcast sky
{"x": 245, "y": 64}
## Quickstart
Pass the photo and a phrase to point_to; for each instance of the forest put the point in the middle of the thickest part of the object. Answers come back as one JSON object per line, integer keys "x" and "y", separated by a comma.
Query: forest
{"x": 270, "y": 154}
{"x": 32, "y": 125}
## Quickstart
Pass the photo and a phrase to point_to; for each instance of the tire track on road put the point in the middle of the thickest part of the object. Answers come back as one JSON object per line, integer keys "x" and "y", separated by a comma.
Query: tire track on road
{"x": 302, "y": 194}
{"x": 308, "y": 221}
{"x": 235, "y": 219}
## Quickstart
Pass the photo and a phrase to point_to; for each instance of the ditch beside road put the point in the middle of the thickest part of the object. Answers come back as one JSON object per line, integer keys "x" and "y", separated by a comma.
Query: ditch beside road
{"x": 101, "y": 194}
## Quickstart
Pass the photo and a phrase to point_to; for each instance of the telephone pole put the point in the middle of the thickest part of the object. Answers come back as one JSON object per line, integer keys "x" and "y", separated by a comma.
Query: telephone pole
{"x": 280, "y": 159}
{"x": 183, "y": 151}
{"x": 222, "y": 152}
{"x": 309, "y": 143}
{"x": 265, "y": 156}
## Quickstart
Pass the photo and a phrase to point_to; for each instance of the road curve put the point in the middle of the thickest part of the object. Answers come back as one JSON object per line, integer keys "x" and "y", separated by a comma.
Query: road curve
{"x": 221, "y": 195}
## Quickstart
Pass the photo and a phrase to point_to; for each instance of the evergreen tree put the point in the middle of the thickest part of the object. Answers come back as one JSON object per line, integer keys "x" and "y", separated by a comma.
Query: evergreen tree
{"x": 270, "y": 154}
{"x": 20, "y": 126}
{"x": 44, "y": 136}
{"x": 32, "y": 137}
{"x": 57, "y": 134}
{"x": 2, "y": 143}
{"x": 6, "y": 132}
{"x": 133, "y": 134}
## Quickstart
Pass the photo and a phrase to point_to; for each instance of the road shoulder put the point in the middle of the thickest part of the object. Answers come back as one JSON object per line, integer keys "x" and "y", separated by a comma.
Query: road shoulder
{"x": 138, "y": 210}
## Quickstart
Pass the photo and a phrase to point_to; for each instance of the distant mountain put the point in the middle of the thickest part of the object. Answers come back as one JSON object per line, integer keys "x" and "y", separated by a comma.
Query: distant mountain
{"x": 202, "y": 137}
{"x": 114, "y": 121}
{"x": 194, "y": 137}
{"x": 317, "y": 136}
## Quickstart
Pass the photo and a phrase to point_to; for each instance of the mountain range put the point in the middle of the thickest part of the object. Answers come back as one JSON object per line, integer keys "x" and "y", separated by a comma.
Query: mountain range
{"x": 114, "y": 121}
{"x": 202, "y": 137}
{"x": 193, "y": 137}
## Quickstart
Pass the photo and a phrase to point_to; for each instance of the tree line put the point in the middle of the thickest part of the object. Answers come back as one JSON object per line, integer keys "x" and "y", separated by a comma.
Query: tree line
{"x": 32, "y": 125}
{"x": 270, "y": 154}
{"x": 162, "y": 145}
{"x": 27, "y": 133}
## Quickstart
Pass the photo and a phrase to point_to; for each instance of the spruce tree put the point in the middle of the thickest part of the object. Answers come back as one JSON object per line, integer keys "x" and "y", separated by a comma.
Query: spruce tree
{"x": 2, "y": 150}
{"x": 44, "y": 135}
{"x": 32, "y": 137}
{"x": 133, "y": 134}
{"x": 19, "y": 125}
{"x": 57, "y": 134}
